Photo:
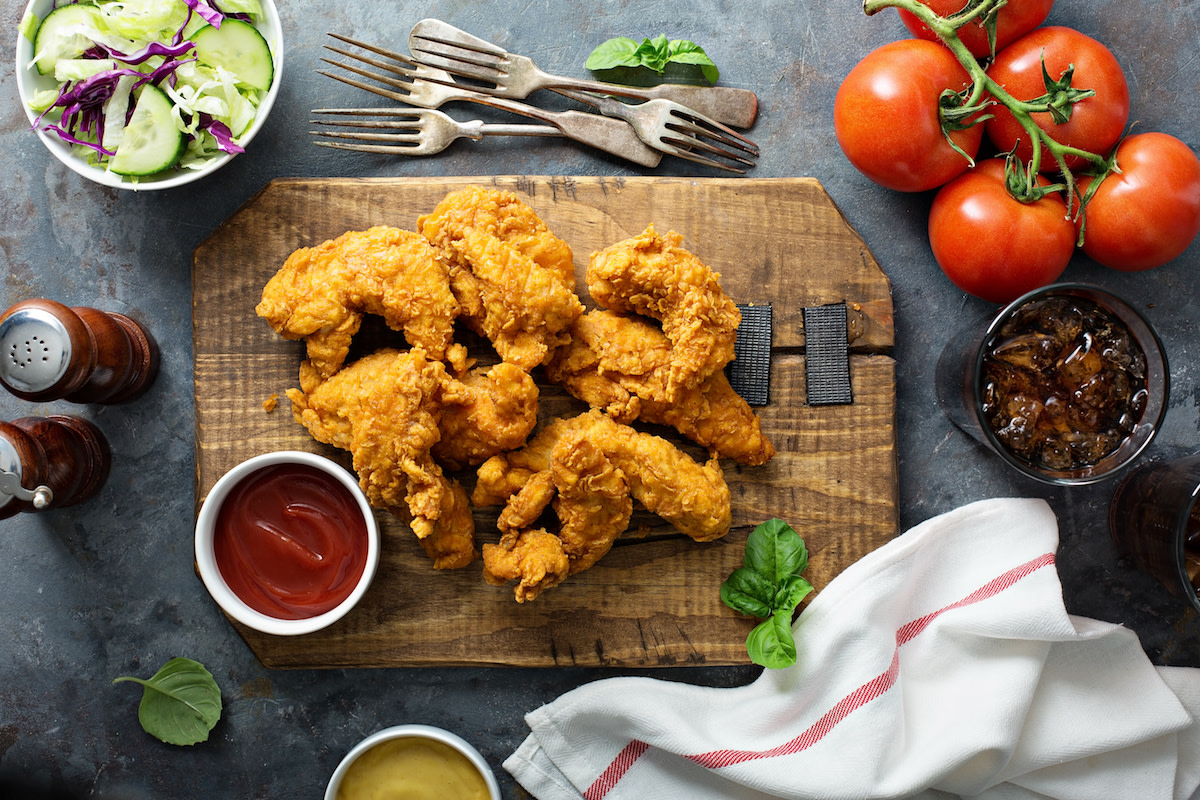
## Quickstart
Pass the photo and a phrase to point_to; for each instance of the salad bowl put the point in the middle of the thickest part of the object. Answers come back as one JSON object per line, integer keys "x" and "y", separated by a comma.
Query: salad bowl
{"x": 36, "y": 81}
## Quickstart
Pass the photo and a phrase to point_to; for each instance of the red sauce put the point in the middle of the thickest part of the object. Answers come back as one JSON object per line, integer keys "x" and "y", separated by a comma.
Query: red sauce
{"x": 290, "y": 541}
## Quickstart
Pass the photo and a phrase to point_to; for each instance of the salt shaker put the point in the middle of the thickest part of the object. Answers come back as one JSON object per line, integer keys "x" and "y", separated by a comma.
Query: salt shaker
{"x": 49, "y": 351}
{"x": 50, "y": 462}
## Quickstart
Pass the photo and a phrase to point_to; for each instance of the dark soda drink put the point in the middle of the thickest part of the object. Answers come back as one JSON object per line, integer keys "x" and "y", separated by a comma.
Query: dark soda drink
{"x": 1154, "y": 519}
{"x": 1064, "y": 383}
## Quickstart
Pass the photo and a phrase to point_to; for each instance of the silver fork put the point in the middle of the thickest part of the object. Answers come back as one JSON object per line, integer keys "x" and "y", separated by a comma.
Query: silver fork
{"x": 677, "y": 130}
{"x": 424, "y": 87}
{"x": 412, "y": 131}
{"x": 440, "y": 44}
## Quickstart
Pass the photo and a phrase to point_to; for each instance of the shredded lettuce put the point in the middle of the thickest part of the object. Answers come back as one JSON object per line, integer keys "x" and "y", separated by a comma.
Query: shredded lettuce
{"x": 101, "y": 60}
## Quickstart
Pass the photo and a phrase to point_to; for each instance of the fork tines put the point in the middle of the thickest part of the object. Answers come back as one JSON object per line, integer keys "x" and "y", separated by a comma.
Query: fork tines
{"x": 459, "y": 59}
{"x": 705, "y": 136}
{"x": 404, "y": 124}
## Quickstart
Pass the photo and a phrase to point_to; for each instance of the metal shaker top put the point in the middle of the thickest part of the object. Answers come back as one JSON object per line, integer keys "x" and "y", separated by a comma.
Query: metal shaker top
{"x": 35, "y": 350}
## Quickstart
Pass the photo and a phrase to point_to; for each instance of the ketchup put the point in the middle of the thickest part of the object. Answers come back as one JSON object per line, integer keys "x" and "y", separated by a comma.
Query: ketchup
{"x": 290, "y": 541}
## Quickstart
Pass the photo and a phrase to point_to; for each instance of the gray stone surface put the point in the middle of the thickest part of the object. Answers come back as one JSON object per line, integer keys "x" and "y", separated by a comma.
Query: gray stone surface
{"x": 107, "y": 588}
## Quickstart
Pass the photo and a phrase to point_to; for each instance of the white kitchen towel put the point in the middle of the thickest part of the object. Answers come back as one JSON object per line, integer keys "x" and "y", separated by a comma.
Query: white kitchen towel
{"x": 942, "y": 665}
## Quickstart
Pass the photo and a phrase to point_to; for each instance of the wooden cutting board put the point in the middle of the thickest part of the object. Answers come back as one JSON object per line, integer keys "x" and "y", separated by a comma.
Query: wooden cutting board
{"x": 654, "y": 599}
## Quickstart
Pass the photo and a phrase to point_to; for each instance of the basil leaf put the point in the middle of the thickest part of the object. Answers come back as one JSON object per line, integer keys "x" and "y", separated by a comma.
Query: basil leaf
{"x": 686, "y": 52}
{"x": 749, "y": 592}
{"x": 771, "y": 645}
{"x": 789, "y": 594}
{"x": 618, "y": 52}
{"x": 181, "y": 703}
{"x": 775, "y": 550}
{"x": 770, "y": 588}
{"x": 652, "y": 54}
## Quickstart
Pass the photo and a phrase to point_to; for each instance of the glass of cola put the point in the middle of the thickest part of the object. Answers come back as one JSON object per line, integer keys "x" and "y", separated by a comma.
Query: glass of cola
{"x": 1068, "y": 384}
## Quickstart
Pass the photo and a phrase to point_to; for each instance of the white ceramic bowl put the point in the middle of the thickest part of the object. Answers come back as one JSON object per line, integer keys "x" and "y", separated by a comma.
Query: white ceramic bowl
{"x": 415, "y": 731}
{"x": 29, "y": 81}
{"x": 210, "y": 573}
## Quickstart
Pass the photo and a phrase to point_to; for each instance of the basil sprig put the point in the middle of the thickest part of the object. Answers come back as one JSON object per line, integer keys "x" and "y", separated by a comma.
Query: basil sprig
{"x": 769, "y": 588}
{"x": 181, "y": 703}
{"x": 653, "y": 54}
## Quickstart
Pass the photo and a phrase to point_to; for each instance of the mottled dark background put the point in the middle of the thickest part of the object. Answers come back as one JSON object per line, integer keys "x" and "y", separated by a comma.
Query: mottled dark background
{"x": 108, "y": 588}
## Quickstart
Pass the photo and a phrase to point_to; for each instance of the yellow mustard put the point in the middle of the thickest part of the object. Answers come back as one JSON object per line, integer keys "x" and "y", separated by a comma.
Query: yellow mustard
{"x": 412, "y": 769}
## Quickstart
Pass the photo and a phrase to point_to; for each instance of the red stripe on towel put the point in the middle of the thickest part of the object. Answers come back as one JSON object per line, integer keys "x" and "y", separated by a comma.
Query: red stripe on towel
{"x": 620, "y": 765}
{"x": 864, "y": 694}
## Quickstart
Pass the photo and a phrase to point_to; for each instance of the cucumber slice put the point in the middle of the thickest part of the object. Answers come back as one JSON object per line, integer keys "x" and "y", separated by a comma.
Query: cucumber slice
{"x": 238, "y": 47}
{"x": 151, "y": 142}
{"x": 58, "y": 36}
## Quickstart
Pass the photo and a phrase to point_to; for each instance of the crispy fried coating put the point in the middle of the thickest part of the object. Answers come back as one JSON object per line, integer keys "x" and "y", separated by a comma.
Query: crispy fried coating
{"x": 693, "y": 498}
{"x": 654, "y": 276}
{"x": 592, "y": 501}
{"x": 484, "y": 413}
{"x": 513, "y": 279}
{"x": 620, "y": 363}
{"x": 385, "y": 409}
{"x": 505, "y": 216}
{"x": 321, "y": 294}
{"x": 533, "y": 557}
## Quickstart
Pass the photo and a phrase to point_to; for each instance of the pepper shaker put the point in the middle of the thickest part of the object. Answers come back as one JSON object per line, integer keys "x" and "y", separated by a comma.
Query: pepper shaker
{"x": 49, "y": 351}
{"x": 50, "y": 462}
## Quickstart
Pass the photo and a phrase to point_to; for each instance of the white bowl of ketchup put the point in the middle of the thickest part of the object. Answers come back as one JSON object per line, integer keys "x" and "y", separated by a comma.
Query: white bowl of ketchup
{"x": 286, "y": 543}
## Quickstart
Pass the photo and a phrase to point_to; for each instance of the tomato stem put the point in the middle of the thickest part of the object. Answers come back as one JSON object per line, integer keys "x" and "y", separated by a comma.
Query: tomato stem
{"x": 1058, "y": 100}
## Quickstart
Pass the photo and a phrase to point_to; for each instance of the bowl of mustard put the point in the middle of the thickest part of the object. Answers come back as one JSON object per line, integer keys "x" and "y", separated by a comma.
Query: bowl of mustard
{"x": 420, "y": 762}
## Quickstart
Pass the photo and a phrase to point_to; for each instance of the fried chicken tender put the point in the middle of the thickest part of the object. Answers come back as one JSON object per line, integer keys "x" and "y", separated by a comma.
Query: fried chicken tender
{"x": 321, "y": 294}
{"x": 514, "y": 280}
{"x": 592, "y": 500}
{"x": 533, "y": 557}
{"x": 654, "y": 276}
{"x": 484, "y": 413}
{"x": 385, "y": 409}
{"x": 621, "y": 364}
{"x": 693, "y": 498}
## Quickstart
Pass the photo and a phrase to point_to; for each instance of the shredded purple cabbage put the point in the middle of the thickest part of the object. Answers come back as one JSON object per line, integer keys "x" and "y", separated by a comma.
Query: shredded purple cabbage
{"x": 210, "y": 14}
{"x": 221, "y": 133}
{"x": 67, "y": 137}
{"x": 153, "y": 49}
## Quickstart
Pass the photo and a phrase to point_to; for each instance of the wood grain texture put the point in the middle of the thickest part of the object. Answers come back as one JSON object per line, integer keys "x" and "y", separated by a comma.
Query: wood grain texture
{"x": 654, "y": 600}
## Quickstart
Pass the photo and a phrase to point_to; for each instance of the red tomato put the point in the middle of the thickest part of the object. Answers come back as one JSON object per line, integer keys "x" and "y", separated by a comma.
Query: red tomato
{"x": 993, "y": 246}
{"x": 1096, "y": 123}
{"x": 1149, "y": 212}
{"x": 887, "y": 121}
{"x": 1014, "y": 20}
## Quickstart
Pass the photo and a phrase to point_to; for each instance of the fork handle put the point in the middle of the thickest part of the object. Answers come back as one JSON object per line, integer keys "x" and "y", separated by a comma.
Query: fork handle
{"x": 726, "y": 104}
{"x": 498, "y": 129}
{"x": 611, "y": 135}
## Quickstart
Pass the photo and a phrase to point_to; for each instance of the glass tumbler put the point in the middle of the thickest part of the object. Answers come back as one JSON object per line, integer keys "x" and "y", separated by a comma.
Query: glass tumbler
{"x": 967, "y": 391}
{"x": 1154, "y": 520}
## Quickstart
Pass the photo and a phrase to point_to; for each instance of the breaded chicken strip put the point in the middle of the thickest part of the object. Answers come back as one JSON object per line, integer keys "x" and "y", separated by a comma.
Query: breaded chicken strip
{"x": 654, "y": 276}
{"x": 621, "y": 364}
{"x": 533, "y": 557}
{"x": 693, "y": 498}
{"x": 486, "y": 412}
{"x": 506, "y": 217}
{"x": 321, "y": 294}
{"x": 514, "y": 280}
{"x": 385, "y": 409}
{"x": 591, "y": 498}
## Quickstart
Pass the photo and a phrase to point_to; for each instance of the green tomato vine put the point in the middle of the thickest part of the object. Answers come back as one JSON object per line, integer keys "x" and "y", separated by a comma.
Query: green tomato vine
{"x": 969, "y": 107}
